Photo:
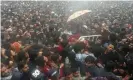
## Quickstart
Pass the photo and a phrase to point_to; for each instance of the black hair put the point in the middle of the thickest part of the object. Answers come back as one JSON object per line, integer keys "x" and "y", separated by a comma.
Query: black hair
{"x": 125, "y": 48}
{"x": 7, "y": 45}
{"x": 55, "y": 57}
{"x": 67, "y": 71}
{"x": 110, "y": 65}
{"x": 32, "y": 55}
{"x": 64, "y": 36}
{"x": 74, "y": 70}
{"x": 123, "y": 29}
{"x": 6, "y": 61}
{"x": 113, "y": 37}
{"x": 33, "y": 52}
{"x": 130, "y": 66}
{"x": 36, "y": 46}
{"x": 46, "y": 52}
{"x": 40, "y": 61}
{"x": 78, "y": 47}
{"x": 64, "y": 43}
{"x": 21, "y": 56}
{"x": 8, "y": 53}
{"x": 90, "y": 59}
{"x": 21, "y": 65}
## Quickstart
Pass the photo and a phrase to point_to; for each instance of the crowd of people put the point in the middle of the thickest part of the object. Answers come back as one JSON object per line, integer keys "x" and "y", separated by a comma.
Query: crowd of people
{"x": 34, "y": 47}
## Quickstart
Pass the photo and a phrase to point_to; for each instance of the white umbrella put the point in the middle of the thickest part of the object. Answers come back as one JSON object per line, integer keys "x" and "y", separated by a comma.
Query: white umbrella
{"x": 77, "y": 14}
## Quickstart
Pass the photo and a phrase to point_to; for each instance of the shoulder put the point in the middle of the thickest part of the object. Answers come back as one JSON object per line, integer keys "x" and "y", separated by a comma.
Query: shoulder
{"x": 6, "y": 78}
{"x": 16, "y": 75}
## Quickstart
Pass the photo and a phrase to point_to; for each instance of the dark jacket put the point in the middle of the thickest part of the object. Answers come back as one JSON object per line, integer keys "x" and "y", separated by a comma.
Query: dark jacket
{"x": 95, "y": 71}
{"x": 110, "y": 56}
{"x": 20, "y": 76}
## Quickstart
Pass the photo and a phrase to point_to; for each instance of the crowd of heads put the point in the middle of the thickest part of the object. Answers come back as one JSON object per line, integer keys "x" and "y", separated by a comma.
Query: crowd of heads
{"x": 33, "y": 46}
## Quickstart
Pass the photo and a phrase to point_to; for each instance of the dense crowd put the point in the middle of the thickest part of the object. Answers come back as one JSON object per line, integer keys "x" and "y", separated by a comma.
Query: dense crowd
{"x": 35, "y": 47}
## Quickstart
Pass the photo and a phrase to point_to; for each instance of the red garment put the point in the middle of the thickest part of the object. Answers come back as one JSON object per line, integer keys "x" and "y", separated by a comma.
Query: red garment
{"x": 16, "y": 46}
{"x": 61, "y": 73}
{"x": 60, "y": 48}
{"x": 46, "y": 69}
{"x": 73, "y": 37}
{"x": 86, "y": 44}
{"x": 129, "y": 26}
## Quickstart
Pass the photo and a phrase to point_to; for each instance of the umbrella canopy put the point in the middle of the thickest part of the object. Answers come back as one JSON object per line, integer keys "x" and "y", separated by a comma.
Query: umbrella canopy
{"x": 77, "y": 14}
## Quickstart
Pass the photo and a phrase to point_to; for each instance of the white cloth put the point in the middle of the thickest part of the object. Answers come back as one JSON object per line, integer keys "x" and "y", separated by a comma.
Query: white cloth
{"x": 81, "y": 57}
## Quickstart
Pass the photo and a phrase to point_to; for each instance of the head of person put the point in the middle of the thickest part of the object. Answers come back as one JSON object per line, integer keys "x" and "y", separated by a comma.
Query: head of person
{"x": 90, "y": 61}
{"x": 64, "y": 43}
{"x": 8, "y": 54}
{"x": 75, "y": 72}
{"x": 68, "y": 74}
{"x": 35, "y": 51}
{"x": 5, "y": 71}
{"x": 79, "y": 47}
{"x": 110, "y": 47}
{"x": 22, "y": 56}
{"x": 55, "y": 58}
{"x": 40, "y": 61}
{"x": 110, "y": 65}
{"x": 23, "y": 67}
{"x": 7, "y": 46}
